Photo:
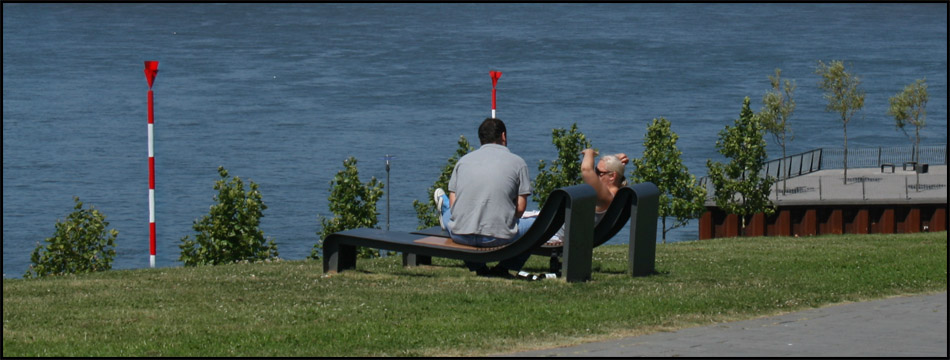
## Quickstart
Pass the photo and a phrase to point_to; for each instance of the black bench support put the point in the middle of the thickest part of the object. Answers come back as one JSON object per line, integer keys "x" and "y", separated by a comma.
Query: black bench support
{"x": 644, "y": 211}
{"x": 579, "y": 244}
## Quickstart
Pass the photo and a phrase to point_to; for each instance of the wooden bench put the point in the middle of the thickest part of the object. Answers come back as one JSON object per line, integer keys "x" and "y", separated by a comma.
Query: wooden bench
{"x": 640, "y": 200}
{"x": 571, "y": 206}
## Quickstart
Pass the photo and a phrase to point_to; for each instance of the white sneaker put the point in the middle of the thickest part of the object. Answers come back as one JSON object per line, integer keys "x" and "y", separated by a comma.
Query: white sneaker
{"x": 438, "y": 196}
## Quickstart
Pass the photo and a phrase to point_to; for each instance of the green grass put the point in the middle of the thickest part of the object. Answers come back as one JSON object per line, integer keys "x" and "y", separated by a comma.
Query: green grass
{"x": 288, "y": 308}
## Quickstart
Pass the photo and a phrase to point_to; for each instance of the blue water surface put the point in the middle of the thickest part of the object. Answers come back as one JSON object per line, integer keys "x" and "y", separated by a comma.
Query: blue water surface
{"x": 281, "y": 94}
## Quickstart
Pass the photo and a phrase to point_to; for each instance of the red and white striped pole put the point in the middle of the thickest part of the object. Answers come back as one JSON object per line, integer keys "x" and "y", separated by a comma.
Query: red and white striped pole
{"x": 494, "y": 82}
{"x": 151, "y": 69}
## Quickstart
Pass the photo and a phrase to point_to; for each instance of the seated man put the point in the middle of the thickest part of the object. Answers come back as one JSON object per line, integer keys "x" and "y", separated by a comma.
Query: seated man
{"x": 488, "y": 193}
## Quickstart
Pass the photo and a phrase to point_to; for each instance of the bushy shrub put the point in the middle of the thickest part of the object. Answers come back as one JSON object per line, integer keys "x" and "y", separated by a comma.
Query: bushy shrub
{"x": 740, "y": 187}
{"x": 231, "y": 230}
{"x": 681, "y": 198}
{"x": 566, "y": 169}
{"x": 426, "y": 211}
{"x": 80, "y": 244}
{"x": 353, "y": 204}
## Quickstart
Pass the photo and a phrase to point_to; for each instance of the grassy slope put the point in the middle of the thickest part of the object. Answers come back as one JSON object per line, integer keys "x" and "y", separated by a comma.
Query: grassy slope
{"x": 289, "y": 308}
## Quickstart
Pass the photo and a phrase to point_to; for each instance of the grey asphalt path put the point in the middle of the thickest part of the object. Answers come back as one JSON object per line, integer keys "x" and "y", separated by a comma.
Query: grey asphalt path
{"x": 896, "y": 327}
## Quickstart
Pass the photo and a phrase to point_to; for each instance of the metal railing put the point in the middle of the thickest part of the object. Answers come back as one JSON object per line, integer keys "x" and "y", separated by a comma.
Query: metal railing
{"x": 833, "y": 158}
{"x": 874, "y": 157}
{"x": 794, "y": 165}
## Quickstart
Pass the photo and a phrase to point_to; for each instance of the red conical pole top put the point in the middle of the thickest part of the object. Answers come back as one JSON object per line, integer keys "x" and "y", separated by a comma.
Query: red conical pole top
{"x": 151, "y": 69}
{"x": 494, "y": 82}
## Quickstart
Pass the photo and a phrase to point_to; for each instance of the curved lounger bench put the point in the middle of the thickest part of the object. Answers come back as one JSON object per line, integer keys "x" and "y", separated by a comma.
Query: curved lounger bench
{"x": 574, "y": 204}
{"x": 638, "y": 203}
{"x": 642, "y": 200}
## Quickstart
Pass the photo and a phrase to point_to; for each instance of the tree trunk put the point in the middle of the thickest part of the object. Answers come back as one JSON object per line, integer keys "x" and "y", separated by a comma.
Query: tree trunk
{"x": 917, "y": 156}
{"x": 784, "y": 167}
{"x": 846, "y": 153}
{"x": 664, "y": 230}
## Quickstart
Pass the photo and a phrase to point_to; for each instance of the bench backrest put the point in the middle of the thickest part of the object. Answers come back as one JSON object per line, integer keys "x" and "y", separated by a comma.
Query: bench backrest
{"x": 552, "y": 216}
{"x": 616, "y": 217}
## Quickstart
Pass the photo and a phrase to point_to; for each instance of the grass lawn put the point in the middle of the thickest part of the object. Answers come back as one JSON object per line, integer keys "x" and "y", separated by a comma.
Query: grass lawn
{"x": 288, "y": 308}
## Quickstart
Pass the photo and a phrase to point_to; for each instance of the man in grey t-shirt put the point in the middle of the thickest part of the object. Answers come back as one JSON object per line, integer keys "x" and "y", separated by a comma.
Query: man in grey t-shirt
{"x": 488, "y": 193}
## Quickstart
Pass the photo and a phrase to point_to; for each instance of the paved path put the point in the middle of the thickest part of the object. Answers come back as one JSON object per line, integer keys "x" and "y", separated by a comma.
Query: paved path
{"x": 895, "y": 327}
{"x": 865, "y": 186}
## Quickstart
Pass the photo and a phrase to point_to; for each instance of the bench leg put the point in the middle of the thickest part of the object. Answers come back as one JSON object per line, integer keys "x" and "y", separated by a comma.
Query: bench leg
{"x": 555, "y": 263}
{"x": 579, "y": 244}
{"x": 415, "y": 260}
{"x": 338, "y": 257}
{"x": 643, "y": 216}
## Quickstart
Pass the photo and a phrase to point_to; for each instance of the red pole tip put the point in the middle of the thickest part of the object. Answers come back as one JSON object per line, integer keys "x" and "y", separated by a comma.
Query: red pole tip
{"x": 495, "y": 75}
{"x": 151, "y": 69}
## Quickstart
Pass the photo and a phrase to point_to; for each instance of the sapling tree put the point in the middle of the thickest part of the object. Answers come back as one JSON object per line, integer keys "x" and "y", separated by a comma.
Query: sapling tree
{"x": 80, "y": 244}
{"x": 909, "y": 107}
{"x": 740, "y": 186}
{"x": 426, "y": 211}
{"x": 566, "y": 169}
{"x": 842, "y": 90}
{"x": 353, "y": 204}
{"x": 231, "y": 230}
{"x": 777, "y": 108}
{"x": 681, "y": 198}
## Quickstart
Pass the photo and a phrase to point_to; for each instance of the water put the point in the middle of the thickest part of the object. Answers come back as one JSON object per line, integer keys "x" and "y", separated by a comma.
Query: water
{"x": 281, "y": 94}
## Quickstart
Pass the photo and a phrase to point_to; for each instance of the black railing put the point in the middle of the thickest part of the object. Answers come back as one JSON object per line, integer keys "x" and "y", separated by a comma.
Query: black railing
{"x": 874, "y": 157}
{"x": 795, "y": 165}
{"x": 833, "y": 158}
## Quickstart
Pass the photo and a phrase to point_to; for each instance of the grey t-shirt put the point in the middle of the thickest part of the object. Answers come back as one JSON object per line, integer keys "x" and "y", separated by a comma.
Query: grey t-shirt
{"x": 486, "y": 183}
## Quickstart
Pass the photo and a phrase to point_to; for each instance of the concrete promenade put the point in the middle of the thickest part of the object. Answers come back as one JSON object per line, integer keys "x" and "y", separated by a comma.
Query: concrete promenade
{"x": 892, "y": 199}
{"x": 865, "y": 186}
{"x": 912, "y": 326}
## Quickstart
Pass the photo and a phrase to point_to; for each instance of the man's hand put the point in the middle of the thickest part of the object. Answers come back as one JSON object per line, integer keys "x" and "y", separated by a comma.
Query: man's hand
{"x": 623, "y": 158}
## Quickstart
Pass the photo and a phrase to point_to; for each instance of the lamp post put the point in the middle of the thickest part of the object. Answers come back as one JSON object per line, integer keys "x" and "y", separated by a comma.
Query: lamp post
{"x": 387, "y": 158}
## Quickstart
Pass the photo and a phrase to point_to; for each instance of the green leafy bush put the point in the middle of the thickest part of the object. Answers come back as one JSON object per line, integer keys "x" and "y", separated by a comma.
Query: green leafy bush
{"x": 426, "y": 211}
{"x": 231, "y": 231}
{"x": 353, "y": 204}
{"x": 681, "y": 198}
{"x": 566, "y": 169}
{"x": 80, "y": 244}
{"x": 740, "y": 186}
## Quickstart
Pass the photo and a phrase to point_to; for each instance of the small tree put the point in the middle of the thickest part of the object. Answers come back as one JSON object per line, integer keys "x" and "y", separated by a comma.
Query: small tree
{"x": 81, "y": 244}
{"x": 777, "y": 108}
{"x": 740, "y": 187}
{"x": 680, "y": 197}
{"x": 426, "y": 212}
{"x": 843, "y": 95}
{"x": 566, "y": 169}
{"x": 909, "y": 108}
{"x": 231, "y": 230}
{"x": 353, "y": 204}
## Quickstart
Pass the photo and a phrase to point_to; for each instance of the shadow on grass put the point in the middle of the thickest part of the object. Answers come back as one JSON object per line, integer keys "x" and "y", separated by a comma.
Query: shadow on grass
{"x": 409, "y": 272}
{"x": 624, "y": 272}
